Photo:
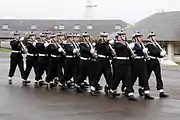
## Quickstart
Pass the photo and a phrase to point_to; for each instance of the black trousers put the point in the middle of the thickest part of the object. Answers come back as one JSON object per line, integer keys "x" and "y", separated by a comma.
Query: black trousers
{"x": 154, "y": 65}
{"x": 31, "y": 62}
{"x": 69, "y": 70}
{"x": 121, "y": 71}
{"x": 85, "y": 70}
{"x": 76, "y": 68}
{"x": 139, "y": 70}
{"x": 16, "y": 59}
{"x": 61, "y": 61}
{"x": 103, "y": 66}
{"x": 42, "y": 66}
{"x": 54, "y": 69}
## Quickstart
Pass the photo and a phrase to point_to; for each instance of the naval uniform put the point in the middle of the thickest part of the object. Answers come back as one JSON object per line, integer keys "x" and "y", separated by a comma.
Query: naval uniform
{"x": 85, "y": 64}
{"x": 54, "y": 65}
{"x": 154, "y": 65}
{"x": 16, "y": 58}
{"x": 31, "y": 58}
{"x": 103, "y": 65}
{"x": 42, "y": 61}
{"x": 121, "y": 65}
{"x": 138, "y": 66}
{"x": 69, "y": 64}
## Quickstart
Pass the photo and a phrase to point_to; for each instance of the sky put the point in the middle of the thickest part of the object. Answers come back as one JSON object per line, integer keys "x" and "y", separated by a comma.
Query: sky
{"x": 130, "y": 11}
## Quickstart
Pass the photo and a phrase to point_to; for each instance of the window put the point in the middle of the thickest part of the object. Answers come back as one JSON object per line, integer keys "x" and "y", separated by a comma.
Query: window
{"x": 61, "y": 27}
{"x": 164, "y": 46}
{"x": 117, "y": 27}
{"x": 33, "y": 27}
{"x": 5, "y": 27}
{"x": 55, "y": 27}
{"x": 176, "y": 49}
{"x": 89, "y": 27}
{"x": 76, "y": 27}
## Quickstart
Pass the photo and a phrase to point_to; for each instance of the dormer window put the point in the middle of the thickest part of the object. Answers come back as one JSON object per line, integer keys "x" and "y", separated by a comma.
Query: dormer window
{"x": 33, "y": 27}
{"x": 5, "y": 27}
{"x": 76, "y": 27}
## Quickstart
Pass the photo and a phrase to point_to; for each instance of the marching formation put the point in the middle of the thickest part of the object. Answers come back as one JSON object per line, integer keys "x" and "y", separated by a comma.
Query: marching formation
{"x": 69, "y": 59}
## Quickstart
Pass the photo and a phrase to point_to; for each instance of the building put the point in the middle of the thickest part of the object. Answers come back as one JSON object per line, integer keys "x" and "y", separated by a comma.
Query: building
{"x": 166, "y": 25}
{"x": 8, "y": 26}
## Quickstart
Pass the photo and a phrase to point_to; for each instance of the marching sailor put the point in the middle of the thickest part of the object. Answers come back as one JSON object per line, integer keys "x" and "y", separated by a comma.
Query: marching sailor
{"x": 42, "y": 60}
{"x": 103, "y": 65}
{"x": 121, "y": 65}
{"x": 70, "y": 61}
{"x": 16, "y": 58}
{"x": 31, "y": 58}
{"x": 138, "y": 66}
{"x": 55, "y": 51}
{"x": 155, "y": 51}
{"x": 87, "y": 52}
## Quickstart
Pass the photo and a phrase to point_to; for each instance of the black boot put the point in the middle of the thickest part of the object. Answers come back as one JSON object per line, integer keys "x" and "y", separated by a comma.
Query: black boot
{"x": 93, "y": 91}
{"x": 50, "y": 85}
{"x": 78, "y": 89}
{"x": 141, "y": 92}
{"x": 163, "y": 95}
{"x": 10, "y": 81}
{"x": 36, "y": 84}
{"x": 86, "y": 85}
{"x": 61, "y": 86}
{"x": 25, "y": 82}
{"x": 55, "y": 81}
{"x": 148, "y": 97}
{"x": 106, "y": 89}
{"x": 132, "y": 98}
{"x": 98, "y": 87}
{"x": 70, "y": 84}
{"x": 113, "y": 94}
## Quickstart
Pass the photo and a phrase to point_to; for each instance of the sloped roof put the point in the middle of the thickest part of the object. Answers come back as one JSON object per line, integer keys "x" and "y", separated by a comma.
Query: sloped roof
{"x": 166, "y": 25}
{"x": 25, "y": 25}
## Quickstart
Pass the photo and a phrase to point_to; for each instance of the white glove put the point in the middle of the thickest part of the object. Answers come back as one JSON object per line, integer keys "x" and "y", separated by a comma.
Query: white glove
{"x": 145, "y": 50}
{"x": 46, "y": 44}
{"x": 93, "y": 44}
{"x": 34, "y": 44}
{"x": 75, "y": 51}
{"x": 21, "y": 39}
{"x": 92, "y": 51}
{"x": 163, "y": 53}
{"x": 60, "y": 49}
{"x": 111, "y": 41}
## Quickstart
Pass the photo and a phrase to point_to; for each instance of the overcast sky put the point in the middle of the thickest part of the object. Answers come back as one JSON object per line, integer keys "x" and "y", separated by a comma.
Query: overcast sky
{"x": 127, "y": 10}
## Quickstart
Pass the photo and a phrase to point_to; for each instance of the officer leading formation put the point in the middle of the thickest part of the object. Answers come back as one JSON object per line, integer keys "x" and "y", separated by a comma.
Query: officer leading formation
{"x": 69, "y": 60}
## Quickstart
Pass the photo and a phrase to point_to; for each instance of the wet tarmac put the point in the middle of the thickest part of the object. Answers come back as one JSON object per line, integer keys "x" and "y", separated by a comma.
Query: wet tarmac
{"x": 28, "y": 103}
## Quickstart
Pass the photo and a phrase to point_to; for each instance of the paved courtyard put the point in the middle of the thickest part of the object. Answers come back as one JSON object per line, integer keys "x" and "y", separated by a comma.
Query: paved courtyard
{"x": 28, "y": 103}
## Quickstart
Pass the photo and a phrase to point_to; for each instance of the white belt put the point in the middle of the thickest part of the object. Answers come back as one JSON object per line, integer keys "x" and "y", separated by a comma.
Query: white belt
{"x": 152, "y": 57}
{"x": 139, "y": 57}
{"x": 31, "y": 54}
{"x": 83, "y": 58}
{"x": 55, "y": 56}
{"x": 122, "y": 58}
{"x": 69, "y": 56}
{"x": 42, "y": 55}
{"x": 16, "y": 51}
{"x": 103, "y": 56}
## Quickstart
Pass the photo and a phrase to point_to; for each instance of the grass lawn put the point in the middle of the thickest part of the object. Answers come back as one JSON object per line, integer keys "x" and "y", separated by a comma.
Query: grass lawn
{"x": 178, "y": 63}
{"x": 5, "y": 50}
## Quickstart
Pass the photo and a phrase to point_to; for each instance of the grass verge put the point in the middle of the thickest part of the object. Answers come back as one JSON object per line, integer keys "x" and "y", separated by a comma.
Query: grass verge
{"x": 5, "y": 50}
